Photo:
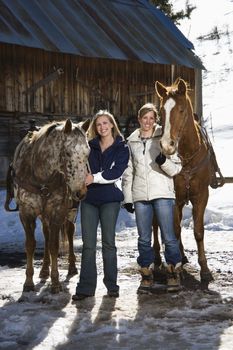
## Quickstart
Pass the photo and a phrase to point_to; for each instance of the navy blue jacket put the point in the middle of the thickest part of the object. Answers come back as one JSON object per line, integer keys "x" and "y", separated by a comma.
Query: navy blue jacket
{"x": 107, "y": 168}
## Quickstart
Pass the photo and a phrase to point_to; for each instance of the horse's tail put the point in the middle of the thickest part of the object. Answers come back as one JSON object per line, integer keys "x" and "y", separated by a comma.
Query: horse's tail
{"x": 9, "y": 189}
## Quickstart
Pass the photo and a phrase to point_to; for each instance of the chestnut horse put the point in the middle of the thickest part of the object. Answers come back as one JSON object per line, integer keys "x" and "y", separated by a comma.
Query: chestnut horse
{"x": 183, "y": 134}
{"x": 48, "y": 171}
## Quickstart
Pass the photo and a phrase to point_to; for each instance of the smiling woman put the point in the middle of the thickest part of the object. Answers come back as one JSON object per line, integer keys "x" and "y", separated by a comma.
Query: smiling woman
{"x": 148, "y": 186}
{"x": 108, "y": 160}
{"x": 104, "y": 129}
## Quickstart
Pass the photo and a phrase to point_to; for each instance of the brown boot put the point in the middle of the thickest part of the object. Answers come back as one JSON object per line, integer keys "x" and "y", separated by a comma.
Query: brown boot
{"x": 146, "y": 281}
{"x": 173, "y": 277}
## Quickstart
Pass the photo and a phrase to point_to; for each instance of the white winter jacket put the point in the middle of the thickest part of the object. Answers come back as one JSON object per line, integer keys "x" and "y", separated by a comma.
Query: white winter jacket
{"x": 144, "y": 179}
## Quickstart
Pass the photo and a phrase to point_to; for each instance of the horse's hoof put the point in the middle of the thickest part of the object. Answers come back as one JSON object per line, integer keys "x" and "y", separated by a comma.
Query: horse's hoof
{"x": 28, "y": 288}
{"x": 56, "y": 289}
{"x": 184, "y": 260}
{"x": 72, "y": 271}
{"x": 206, "y": 276}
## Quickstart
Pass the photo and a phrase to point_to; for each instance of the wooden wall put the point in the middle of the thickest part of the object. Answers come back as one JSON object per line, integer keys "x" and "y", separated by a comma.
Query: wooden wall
{"x": 30, "y": 83}
{"x": 47, "y": 86}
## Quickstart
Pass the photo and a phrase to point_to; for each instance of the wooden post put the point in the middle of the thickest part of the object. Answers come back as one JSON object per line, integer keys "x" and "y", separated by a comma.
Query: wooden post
{"x": 227, "y": 179}
{"x": 198, "y": 94}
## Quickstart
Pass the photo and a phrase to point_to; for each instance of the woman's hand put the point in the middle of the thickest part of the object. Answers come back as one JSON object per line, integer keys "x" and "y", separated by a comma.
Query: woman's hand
{"x": 89, "y": 179}
{"x": 129, "y": 207}
{"x": 160, "y": 159}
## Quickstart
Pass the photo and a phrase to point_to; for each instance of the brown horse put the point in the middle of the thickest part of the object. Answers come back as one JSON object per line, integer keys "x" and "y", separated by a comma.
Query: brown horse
{"x": 48, "y": 171}
{"x": 183, "y": 134}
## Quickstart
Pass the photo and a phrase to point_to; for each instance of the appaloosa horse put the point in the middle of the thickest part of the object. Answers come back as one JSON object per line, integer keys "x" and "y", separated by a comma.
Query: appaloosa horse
{"x": 48, "y": 171}
{"x": 183, "y": 134}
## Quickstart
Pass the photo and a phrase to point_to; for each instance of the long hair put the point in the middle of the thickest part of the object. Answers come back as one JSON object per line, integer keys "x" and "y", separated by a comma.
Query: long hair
{"x": 92, "y": 131}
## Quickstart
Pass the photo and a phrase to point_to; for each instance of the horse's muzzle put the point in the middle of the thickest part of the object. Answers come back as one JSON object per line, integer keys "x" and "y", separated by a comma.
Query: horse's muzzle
{"x": 168, "y": 147}
{"x": 79, "y": 195}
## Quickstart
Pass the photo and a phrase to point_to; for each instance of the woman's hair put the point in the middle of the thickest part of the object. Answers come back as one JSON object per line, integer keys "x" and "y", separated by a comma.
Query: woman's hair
{"x": 92, "y": 131}
{"x": 148, "y": 107}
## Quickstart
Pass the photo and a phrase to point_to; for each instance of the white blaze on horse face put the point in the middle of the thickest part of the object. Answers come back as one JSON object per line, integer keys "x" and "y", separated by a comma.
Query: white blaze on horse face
{"x": 166, "y": 142}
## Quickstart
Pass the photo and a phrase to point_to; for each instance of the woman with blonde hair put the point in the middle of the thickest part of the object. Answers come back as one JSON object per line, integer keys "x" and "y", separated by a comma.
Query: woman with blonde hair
{"x": 149, "y": 190}
{"x": 108, "y": 160}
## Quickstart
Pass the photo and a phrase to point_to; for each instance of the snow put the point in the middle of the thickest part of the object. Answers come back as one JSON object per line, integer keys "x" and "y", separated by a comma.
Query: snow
{"x": 196, "y": 318}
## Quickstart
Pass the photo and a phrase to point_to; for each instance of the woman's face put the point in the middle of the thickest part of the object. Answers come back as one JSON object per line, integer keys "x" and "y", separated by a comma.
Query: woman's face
{"x": 147, "y": 121}
{"x": 103, "y": 126}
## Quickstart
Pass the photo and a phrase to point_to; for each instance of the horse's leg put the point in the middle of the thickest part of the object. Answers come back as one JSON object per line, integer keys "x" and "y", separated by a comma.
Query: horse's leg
{"x": 54, "y": 230}
{"x": 69, "y": 228}
{"x": 159, "y": 272}
{"x": 198, "y": 219}
{"x": 156, "y": 244}
{"x": 29, "y": 224}
{"x": 177, "y": 222}
{"x": 72, "y": 258}
{"x": 44, "y": 272}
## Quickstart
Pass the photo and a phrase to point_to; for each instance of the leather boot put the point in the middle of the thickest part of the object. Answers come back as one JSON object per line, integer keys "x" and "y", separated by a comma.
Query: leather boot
{"x": 147, "y": 279}
{"x": 173, "y": 277}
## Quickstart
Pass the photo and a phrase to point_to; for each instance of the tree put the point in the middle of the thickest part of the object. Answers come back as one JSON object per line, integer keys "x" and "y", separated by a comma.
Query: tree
{"x": 167, "y": 7}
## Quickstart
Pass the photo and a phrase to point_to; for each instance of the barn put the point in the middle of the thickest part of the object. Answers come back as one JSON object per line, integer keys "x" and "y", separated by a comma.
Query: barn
{"x": 67, "y": 59}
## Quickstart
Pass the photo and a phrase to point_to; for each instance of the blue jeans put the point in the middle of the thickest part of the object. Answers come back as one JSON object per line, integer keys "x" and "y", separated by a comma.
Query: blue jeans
{"x": 163, "y": 209}
{"x": 91, "y": 215}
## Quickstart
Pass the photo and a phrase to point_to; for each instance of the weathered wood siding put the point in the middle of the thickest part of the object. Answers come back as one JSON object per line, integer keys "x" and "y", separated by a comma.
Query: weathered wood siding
{"x": 29, "y": 82}
{"x": 47, "y": 85}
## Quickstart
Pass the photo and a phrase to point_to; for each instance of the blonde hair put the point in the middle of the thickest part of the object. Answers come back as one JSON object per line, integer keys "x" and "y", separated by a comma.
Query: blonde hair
{"x": 92, "y": 131}
{"x": 148, "y": 107}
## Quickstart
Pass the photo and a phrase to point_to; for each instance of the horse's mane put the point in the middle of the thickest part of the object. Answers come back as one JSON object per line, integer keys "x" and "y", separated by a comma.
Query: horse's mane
{"x": 46, "y": 130}
{"x": 33, "y": 143}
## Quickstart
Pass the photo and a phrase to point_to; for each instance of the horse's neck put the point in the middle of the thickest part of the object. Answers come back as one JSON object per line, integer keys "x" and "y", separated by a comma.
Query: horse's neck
{"x": 22, "y": 159}
{"x": 190, "y": 141}
{"x": 36, "y": 161}
{"x": 45, "y": 160}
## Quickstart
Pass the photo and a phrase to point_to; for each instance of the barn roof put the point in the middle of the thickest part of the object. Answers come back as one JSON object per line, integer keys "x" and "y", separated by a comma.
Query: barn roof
{"x": 115, "y": 29}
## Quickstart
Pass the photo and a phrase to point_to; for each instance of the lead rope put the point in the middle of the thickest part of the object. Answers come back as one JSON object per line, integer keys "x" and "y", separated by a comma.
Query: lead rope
{"x": 88, "y": 168}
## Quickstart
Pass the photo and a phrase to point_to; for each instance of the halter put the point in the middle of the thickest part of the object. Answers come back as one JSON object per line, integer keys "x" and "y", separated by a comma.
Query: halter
{"x": 192, "y": 156}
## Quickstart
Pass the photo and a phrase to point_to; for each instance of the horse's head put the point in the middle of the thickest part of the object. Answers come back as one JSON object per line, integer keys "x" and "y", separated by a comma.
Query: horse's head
{"x": 175, "y": 106}
{"x": 63, "y": 148}
{"x": 74, "y": 157}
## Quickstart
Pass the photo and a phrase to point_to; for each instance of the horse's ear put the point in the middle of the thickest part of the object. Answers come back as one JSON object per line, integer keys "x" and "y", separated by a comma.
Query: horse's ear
{"x": 176, "y": 81}
{"x": 68, "y": 126}
{"x": 182, "y": 87}
{"x": 160, "y": 89}
{"x": 85, "y": 125}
